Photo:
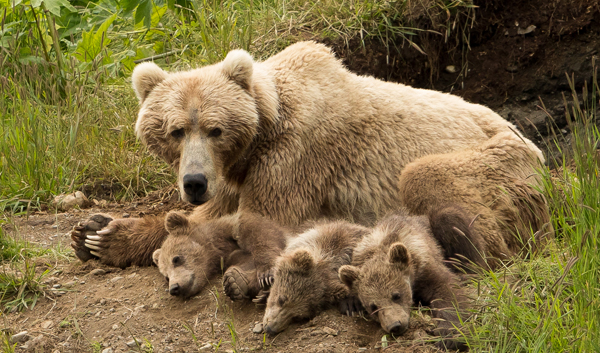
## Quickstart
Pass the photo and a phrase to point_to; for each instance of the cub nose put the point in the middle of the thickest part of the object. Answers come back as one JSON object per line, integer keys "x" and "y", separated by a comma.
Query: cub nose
{"x": 397, "y": 329}
{"x": 174, "y": 289}
{"x": 268, "y": 329}
{"x": 195, "y": 185}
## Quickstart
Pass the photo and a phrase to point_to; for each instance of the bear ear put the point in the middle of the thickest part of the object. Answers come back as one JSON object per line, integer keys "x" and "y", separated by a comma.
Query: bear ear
{"x": 175, "y": 220}
{"x": 145, "y": 78}
{"x": 348, "y": 274}
{"x": 303, "y": 261}
{"x": 156, "y": 256}
{"x": 398, "y": 254}
{"x": 237, "y": 66}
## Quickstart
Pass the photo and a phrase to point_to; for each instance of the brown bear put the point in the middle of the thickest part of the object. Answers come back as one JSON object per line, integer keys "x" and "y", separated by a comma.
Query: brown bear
{"x": 306, "y": 274}
{"x": 399, "y": 264}
{"x": 494, "y": 185}
{"x": 296, "y": 137}
{"x": 194, "y": 253}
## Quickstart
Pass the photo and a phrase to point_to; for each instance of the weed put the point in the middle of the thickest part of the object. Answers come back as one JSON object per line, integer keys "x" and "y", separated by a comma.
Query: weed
{"x": 20, "y": 286}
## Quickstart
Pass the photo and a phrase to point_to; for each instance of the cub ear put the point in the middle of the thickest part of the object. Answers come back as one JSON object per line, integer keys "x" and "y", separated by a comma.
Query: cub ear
{"x": 348, "y": 274}
{"x": 175, "y": 220}
{"x": 237, "y": 66}
{"x": 156, "y": 256}
{"x": 398, "y": 254}
{"x": 145, "y": 78}
{"x": 303, "y": 261}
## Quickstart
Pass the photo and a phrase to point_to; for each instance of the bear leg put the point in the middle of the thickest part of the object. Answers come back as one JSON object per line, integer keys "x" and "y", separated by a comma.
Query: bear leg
{"x": 240, "y": 280}
{"x": 118, "y": 242}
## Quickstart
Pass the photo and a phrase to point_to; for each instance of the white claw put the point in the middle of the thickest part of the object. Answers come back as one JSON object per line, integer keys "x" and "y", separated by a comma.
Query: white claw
{"x": 95, "y": 253}
{"x": 91, "y": 242}
{"x": 104, "y": 232}
{"x": 94, "y": 237}
{"x": 94, "y": 247}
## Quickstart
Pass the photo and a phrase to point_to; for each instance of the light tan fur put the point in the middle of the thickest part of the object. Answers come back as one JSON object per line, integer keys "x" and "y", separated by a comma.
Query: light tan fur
{"x": 299, "y": 137}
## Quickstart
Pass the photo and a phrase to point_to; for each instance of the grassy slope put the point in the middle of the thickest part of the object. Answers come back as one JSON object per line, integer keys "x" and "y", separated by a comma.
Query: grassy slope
{"x": 61, "y": 130}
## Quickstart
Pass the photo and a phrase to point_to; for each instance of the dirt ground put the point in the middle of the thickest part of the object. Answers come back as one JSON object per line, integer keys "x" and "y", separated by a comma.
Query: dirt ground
{"x": 510, "y": 65}
{"x": 85, "y": 310}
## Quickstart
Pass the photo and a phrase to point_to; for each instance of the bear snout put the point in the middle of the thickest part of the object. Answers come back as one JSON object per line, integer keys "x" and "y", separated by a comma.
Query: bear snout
{"x": 175, "y": 289}
{"x": 397, "y": 329}
{"x": 269, "y": 330}
{"x": 195, "y": 186}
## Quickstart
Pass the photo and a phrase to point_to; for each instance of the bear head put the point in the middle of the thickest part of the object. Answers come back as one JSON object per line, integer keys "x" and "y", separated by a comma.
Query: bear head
{"x": 181, "y": 259}
{"x": 297, "y": 291}
{"x": 384, "y": 286}
{"x": 202, "y": 122}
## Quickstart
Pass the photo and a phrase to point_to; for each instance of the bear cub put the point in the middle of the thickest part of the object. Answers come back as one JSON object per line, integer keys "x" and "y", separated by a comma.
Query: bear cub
{"x": 400, "y": 264}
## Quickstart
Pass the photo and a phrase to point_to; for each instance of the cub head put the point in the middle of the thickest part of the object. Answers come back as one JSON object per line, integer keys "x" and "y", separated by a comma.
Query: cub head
{"x": 383, "y": 285}
{"x": 180, "y": 258}
{"x": 296, "y": 293}
{"x": 203, "y": 121}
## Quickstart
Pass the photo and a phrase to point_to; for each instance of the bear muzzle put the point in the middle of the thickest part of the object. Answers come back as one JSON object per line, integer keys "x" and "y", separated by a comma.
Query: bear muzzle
{"x": 195, "y": 186}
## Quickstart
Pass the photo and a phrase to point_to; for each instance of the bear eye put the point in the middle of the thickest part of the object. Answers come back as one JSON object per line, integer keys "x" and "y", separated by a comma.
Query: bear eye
{"x": 214, "y": 132}
{"x": 281, "y": 300}
{"x": 396, "y": 297}
{"x": 167, "y": 278}
{"x": 178, "y": 133}
{"x": 177, "y": 260}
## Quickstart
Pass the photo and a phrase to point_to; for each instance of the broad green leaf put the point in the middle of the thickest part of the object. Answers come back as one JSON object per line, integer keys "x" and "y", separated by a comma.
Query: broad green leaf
{"x": 54, "y": 6}
{"x": 36, "y": 3}
{"x": 91, "y": 43}
{"x": 143, "y": 13}
{"x": 128, "y": 5}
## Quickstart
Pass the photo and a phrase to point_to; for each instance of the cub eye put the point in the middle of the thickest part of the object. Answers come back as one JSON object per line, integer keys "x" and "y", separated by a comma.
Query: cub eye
{"x": 177, "y": 260}
{"x": 373, "y": 308}
{"x": 214, "y": 132}
{"x": 281, "y": 300}
{"x": 179, "y": 133}
{"x": 167, "y": 278}
{"x": 396, "y": 297}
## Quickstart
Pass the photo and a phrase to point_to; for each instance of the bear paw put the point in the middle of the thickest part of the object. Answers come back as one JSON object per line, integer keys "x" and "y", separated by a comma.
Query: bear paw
{"x": 266, "y": 279}
{"x": 261, "y": 297}
{"x": 235, "y": 284}
{"x": 351, "y": 306}
{"x": 82, "y": 230}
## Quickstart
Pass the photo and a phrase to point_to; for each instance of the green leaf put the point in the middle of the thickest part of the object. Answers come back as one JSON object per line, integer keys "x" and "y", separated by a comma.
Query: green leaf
{"x": 91, "y": 42}
{"x": 54, "y": 6}
{"x": 143, "y": 13}
{"x": 36, "y": 3}
{"x": 128, "y": 5}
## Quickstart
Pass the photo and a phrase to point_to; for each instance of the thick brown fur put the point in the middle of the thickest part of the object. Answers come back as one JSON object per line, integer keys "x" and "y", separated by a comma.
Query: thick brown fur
{"x": 297, "y": 137}
{"x": 306, "y": 279}
{"x": 495, "y": 184}
{"x": 400, "y": 264}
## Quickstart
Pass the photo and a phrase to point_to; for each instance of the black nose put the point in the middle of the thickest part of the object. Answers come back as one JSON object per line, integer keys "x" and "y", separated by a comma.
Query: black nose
{"x": 397, "y": 329}
{"x": 195, "y": 185}
{"x": 269, "y": 330}
{"x": 174, "y": 289}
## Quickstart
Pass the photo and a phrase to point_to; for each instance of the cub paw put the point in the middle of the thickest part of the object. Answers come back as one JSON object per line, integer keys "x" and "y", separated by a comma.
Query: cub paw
{"x": 261, "y": 297}
{"x": 266, "y": 279}
{"x": 235, "y": 284}
{"x": 351, "y": 306}
{"x": 82, "y": 230}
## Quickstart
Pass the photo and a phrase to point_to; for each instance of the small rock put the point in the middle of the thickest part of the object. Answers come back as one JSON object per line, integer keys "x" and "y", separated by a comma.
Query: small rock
{"x": 116, "y": 279}
{"x": 70, "y": 284}
{"x": 62, "y": 292}
{"x": 98, "y": 314}
{"x": 155, "y": 306}
{"x": 451, "y": 69}
{"x": 46, "y": 324}
{"x": 108, "y": 350}
{"x": 206, "y": 346}
{"x": 115, "y": 326}
{"x": 132, "y": 275}
{"x": 527, "y": 30}
{"x": 34, "y": 344}
{"x": 330, "y": 331}
{"x": 19, "y": 337}
{"x": 132, "y": 343}
{"x": 56, "y": 285}
{"x": 82, "y": 282}
{"x": 102, "y": 301}
{"x": 98, "y": 272}
{"x": 258, "y": 328}
{"x": 66, "y": 202}
{"x": 126, "y": 215}
{"x": 112, "y": 310}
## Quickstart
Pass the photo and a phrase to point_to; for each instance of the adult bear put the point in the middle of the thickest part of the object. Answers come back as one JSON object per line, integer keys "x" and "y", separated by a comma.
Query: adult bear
{"x": 294, "y": 138}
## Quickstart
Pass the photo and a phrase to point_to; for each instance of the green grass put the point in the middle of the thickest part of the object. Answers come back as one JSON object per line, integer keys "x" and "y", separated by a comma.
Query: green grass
{"x": 551, "y": 303}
